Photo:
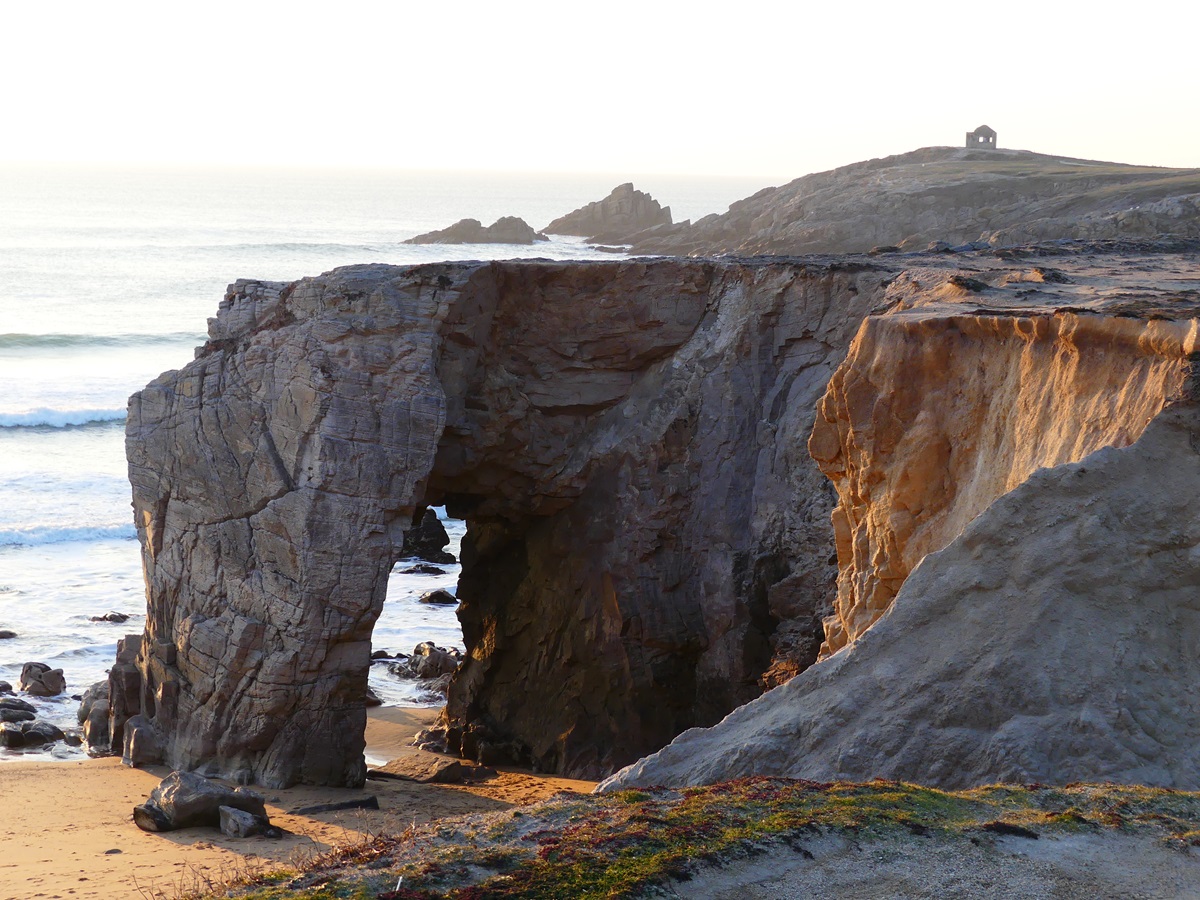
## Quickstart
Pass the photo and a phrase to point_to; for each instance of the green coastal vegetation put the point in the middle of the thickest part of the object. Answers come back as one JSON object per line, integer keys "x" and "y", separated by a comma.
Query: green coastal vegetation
{"x": 634, "y": 843}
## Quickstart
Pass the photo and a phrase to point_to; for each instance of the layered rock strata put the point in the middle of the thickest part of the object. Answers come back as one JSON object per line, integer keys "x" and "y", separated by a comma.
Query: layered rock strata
{"x": 946, "y": 404}
{"x": 625, "y": 441}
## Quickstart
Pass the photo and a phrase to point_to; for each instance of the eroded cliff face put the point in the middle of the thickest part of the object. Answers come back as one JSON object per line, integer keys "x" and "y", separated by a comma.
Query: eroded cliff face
{"x": 1052, "y": 641}
{"x": 649, "y": 541}
{"x": 959, "y": 394}
{"x": 626, "y": 441}
{"x": 1019, "y": 551}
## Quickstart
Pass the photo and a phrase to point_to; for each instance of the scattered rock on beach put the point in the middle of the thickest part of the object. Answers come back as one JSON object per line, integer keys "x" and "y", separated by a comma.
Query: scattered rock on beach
{"x": 5, "y": 687}
{"x": 432, "y": 739}
{"x": 6, "y": 635}
{"x": 371, "y": 802}
{"x": 40, "y": 680}
{"x": 238, "y": 823}
{"x": 185, "y": 799}
{"x": 439, "y": 597}
{"x": 424, "y": 768}
{"x": 41, "y": 733}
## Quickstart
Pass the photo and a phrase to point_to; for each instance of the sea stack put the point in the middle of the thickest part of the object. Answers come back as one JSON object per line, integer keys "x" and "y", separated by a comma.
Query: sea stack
{"x": 616, "y": 219}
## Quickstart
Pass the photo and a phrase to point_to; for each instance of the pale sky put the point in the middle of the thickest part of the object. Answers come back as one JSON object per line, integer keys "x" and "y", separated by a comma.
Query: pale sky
{"x": 747, "y": 88}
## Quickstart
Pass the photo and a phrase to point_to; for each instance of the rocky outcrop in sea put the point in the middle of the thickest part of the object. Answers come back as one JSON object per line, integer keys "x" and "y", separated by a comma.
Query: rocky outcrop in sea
{"x": 505, "y": 230}
{"x": 617, "y": 219}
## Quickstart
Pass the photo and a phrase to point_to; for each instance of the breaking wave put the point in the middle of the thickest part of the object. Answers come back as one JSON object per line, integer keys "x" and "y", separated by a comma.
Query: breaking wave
{"x": 38, "y": 535}
{"x": 61, "y": 418}
{"x": 17, "y": 341}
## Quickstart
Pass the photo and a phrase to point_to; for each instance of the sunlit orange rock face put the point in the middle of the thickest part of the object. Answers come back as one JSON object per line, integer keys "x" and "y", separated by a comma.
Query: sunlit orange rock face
{"x": 963, "y": 389}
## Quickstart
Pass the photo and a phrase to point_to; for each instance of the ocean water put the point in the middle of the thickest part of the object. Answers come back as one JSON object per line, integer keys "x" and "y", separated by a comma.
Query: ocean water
{"x": 107, "y": 278}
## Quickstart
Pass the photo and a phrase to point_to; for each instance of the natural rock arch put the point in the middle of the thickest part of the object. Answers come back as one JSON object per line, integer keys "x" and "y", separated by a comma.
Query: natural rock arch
{"x": 626, "y": 441}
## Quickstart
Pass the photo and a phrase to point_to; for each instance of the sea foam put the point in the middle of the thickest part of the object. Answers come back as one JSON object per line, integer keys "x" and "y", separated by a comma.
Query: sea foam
{"x": 37, "y": 535}
{"x": 60, "y": 418}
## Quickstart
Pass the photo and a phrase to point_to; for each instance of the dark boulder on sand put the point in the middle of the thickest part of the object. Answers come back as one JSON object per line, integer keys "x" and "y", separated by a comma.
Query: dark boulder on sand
{"x": 41, "y": 733}
{"x": 185, "y": 799}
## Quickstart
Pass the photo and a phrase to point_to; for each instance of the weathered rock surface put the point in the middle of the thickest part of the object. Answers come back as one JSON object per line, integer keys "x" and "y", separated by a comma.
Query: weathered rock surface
{"x": 18, "y": 729}
{"x": 93, "y": 716}
{"x": 185, "y": 800}
{"x": 426, "y": 768}
{"x": 1052, "y": 641}
{"x": 625, "y": 440}
{"x": 952, "y": 195}
{"x": 427, "y": 661}
{"x": 617, "y": 218}
{"x": 39, "y": 680}
{"x": 104, "y": 728}
{"x": 238, "y": 823}
{"x": 427, "y": 539}
{"x": 505, "y": 230}
{"x": 648, "y": 538}
{"x": 16, "y": 714}
{"x": 961, "y": 392}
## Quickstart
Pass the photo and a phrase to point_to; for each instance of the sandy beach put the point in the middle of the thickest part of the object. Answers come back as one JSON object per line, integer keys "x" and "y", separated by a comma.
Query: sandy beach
{"x": 66, "y": 829}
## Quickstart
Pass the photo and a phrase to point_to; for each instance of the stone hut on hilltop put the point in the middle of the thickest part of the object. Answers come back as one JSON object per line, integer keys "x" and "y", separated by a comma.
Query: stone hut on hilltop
{"x": 982, "y": 138}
